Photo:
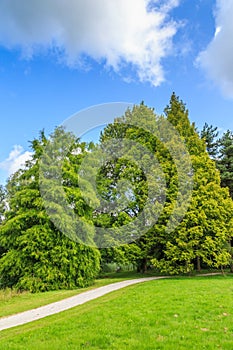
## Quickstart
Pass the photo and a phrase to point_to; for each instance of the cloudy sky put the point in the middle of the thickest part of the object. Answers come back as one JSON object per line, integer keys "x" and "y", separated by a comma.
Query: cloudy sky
{"x": 60, "y": 56}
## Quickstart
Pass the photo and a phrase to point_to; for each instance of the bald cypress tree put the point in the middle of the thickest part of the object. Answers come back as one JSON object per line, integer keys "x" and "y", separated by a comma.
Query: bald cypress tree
{"x": 203, "y": 235}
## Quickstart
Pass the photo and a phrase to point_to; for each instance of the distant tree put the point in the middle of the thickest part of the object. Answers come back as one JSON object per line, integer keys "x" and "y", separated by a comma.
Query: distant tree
{"x": 209, "y": 134}
{"x": 225, "y": 160}
{"x": 38, "y": 256}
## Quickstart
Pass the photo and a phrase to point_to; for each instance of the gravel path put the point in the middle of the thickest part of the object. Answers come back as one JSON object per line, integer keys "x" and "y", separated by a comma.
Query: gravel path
{"x": 65, "y": 304}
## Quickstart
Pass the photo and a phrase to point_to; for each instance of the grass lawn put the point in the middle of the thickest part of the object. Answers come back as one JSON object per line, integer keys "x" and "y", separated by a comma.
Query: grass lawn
{"x": 172, "y": 314}
{"x": 12, "y": 302}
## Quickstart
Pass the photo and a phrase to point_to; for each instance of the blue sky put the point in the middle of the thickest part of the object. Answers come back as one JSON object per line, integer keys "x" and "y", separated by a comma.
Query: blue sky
{"x": 60, "y": 56}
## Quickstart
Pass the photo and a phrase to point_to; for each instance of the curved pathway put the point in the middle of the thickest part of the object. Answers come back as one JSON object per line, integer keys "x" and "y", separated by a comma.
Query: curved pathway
{"x": 65, "y": 304}
{"x": 68, "y": 303}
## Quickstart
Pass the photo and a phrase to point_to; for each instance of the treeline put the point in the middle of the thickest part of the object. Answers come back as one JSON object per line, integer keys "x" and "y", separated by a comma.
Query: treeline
{"x": 173, "y": 220}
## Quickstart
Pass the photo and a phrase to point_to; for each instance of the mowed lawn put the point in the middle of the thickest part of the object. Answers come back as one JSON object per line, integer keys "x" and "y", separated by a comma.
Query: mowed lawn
{"x": 178, "y": 313}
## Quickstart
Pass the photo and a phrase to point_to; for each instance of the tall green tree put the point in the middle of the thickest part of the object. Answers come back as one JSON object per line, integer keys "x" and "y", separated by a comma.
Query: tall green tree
{"x": 126, "y": 203}
{"x": 145, "y": 128}
{"x": 38, "y": 256}
{"x": 225, "y": 160}
{"x": 203, "y": 235}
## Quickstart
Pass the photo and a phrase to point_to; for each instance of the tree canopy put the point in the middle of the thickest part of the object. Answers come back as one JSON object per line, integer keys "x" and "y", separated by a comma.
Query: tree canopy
{"x": 151, "y": 192}
{"x": 202, "y": 237}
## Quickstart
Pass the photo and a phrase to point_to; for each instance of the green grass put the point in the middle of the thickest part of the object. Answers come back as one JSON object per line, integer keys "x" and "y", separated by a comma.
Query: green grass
{"x": 12, "y": 302}
{"x": 172, "y": 314}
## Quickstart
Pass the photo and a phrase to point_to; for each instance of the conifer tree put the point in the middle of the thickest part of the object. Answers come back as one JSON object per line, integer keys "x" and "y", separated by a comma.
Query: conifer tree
{"x": 209, "y": 134}
{"x": 225, "y": 160}
{"x": 38, "y": 256}
{"x": 206, "y": 229}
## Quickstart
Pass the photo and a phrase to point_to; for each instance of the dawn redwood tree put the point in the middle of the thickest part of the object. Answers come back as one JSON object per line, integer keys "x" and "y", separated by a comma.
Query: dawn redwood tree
{"x": 224, "y": 163}
{"x": 38, "y": 257}
{"x": 203, "y": 235}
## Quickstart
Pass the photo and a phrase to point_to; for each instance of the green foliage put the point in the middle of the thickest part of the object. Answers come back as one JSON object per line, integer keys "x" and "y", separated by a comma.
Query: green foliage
{"x": 225, "y": 160}
{"x": 221, "y": 150}
{"x": 3, "y": 208}
{"x": 127, "y": 254}
{"x": 202, "y": 237}
{"x": 206, "y": 229}
{"x": 3, "y": 204}
{"x": 38, "y": 257}
{"x": 137, "y": 128}
{"x": 209, "y": 134}
{"x": 144, "y": 181}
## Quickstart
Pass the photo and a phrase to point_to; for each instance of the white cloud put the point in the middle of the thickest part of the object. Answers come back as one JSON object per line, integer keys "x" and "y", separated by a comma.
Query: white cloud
{"x": 217, "y": 59}
{"x": 15, "y": 160}
{"x": 136, "y": 33}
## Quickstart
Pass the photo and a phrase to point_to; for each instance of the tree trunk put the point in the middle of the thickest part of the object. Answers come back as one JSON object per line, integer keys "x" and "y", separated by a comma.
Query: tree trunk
{"x": 198, "y": 264}
{"x": 142, "y": 266}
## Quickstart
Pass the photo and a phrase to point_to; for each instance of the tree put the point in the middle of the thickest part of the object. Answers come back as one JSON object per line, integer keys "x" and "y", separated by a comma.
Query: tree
{"x": 38, "y": 256}
{"x": 175, "y": 243}
{"x": 206, "y": 229}
{"x": 225, "y": 160}
{"x": 3, "y": 204}
{"x": 160, "y": 182}
{"x": 209, "y": 134}
{"x": 3, "y": 208}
